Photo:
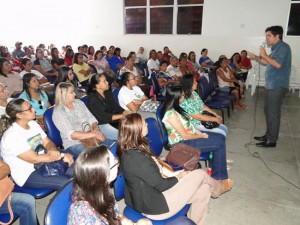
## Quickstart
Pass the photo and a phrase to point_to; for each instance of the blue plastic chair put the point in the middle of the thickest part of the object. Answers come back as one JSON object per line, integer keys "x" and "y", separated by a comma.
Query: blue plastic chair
{"x": 156, "y": 88}
{"x": 130, "y": 213}
{"x": 5, "y": 217}
{"x": 58, "y": 209}
{"x": 52, "y": 131}
{"x": 116, "y": 93}
{"x": 84, "y": 99}
{"x": 154, "y": 137}
{"x": 219, "y": 104}
{"x": 37, "y": 193}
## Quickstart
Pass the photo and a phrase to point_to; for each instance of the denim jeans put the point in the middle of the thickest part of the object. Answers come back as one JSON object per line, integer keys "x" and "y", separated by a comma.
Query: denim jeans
{"x": 75, "y": 150}
{"x": 182, "y": 220}
{"x": 109, "y": 131}
{"x": 23, "y": 205}
{"x": 36, "y": 180}
{"x": 214, "y": 143}
{"x": 222, "y": 129}
{"x": 273, "y": 102}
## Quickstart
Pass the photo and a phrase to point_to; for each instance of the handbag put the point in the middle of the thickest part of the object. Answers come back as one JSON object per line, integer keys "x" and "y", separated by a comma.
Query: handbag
{"x": 89, "y": 142}
{"x": 6, "y": 187}
{"x": 149, "y": 106}
{"x": 209, "y": 124}
{"x": 184, "y": 156}
{"x": 48, "y": 169}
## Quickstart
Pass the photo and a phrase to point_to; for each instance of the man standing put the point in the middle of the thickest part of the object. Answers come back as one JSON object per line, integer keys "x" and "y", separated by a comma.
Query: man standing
{"x": 277, "y": 75}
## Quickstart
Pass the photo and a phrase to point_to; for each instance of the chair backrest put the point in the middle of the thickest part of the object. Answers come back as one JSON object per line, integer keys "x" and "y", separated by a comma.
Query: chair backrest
{"x": 116, "y": 93}
{"x": 84, "y": 99}
{"x": 156, "y": 87}
{"x": 154, "y": 136}
{"x": 58, "y": 209}
{"x": 119, "y": 187}
{"x": 213, "y": 79}
{"x": 163, "y": 131}
{"x": 205, "y": 88}
{"x": 52, "y": 131}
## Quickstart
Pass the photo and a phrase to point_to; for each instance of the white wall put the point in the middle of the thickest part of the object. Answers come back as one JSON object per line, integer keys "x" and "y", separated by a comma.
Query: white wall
{"x": 228, "y": 26}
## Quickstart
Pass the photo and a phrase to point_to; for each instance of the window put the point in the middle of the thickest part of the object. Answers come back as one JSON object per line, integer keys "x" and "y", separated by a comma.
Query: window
{"x": 293, "y": 28}
{"x": 163, "y": 16}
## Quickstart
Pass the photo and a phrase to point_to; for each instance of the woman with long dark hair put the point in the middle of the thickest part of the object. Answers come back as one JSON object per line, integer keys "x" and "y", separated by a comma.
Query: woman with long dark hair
{"x": 56, "y": 61}
{"x": 37, "y": 98}
{"x": 147, "y": 190}
{"x": 93, "y": 203}
{"x": 66, "y": 74}
{"x": 21, "y": 137}
{"x": 194, "y": 106}
{"x": 102, "y": 104}
{"x": 180, "y": 129}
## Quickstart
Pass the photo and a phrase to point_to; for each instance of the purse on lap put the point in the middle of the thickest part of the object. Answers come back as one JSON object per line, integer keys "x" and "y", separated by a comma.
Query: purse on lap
{"x": 209, "y": 124}
{"x": 184, "y": 156}
{"x": 89, "y": 142}
{"x": 48, "y": 169}
{"x": 6, "y": 187}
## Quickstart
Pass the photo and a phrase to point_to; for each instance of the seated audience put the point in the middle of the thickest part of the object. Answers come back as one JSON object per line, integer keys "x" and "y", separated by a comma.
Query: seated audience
{"x": 183, "y": 67}
{"x": 99, "y": 62}
{"x": 228, "y": 83}
{"x": 153, "y": 62}
{"x": 44, "y": 66}
{"x": 148, "y": 191}
{"x": 205, "y": 61}
{"x": 104, "y": 50}
{"x": 103, "y": 106}
{"x": 129, "y": 67}
{"x": 164, "y": 78}
{"x": 45, "y": 50}
{"x": 16, "y": 65}
{"x": 173, "y": 68}
{"x": 114, "y": 62}
{"x": 91, "y": 52}
{"x": 3, "y": 49}
{"x": 84, "y": 51}
{"x": 93, "y": 202}
{"x": 11, "y": 80}
{"x": 22, "y": 204}
{"x": 245, "y": 65}
{"x": 195, "y": 64}
{"x": 141, "y": 56}
{"x": 180, "y": 129}
{"x": 28, "y": 68}
{"x": 81, "y": 69}
{"x": 29, "y": 54}
{"x": 73, "y": 120}
{"x": 4, "y": 99}
{"x": 56, "y": 61}
{"x": 194, "y": 107}
{"x": 69, "y": 57}
{"x": 117, "y": 52}
{"x": 131, "y": 97}
{"x": 18, "y": 54}
{"x": 167, "y": 54}
{"x": 66, "y": 74}
{"x": 19, "y": 143}
{"x": 36, "y": 97}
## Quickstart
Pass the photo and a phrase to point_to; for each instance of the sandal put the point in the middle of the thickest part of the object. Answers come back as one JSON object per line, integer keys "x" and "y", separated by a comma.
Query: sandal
{"x": 227, "y": 185}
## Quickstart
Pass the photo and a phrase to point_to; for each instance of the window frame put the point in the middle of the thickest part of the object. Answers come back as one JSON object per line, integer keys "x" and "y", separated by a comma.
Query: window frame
{"x": 288, "y": 17}
{"x": 175, "y": 6}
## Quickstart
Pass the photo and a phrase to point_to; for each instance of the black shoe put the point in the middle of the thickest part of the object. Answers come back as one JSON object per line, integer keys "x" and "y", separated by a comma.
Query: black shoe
{"x": 266, "y": 144}
{"x": 262, "y": 138}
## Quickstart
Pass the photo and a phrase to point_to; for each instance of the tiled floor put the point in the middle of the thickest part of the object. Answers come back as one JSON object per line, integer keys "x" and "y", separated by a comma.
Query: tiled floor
{"x": 259, "y": 196}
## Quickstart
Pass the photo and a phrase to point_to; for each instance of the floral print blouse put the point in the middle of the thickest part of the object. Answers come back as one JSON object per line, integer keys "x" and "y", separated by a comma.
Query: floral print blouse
{"x": 193, "y": 106}
{"x": 82, "y": 213}
{"x": 173, "y": 136}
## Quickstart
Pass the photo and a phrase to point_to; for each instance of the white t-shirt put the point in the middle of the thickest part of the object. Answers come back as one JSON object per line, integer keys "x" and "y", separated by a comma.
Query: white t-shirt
{"x": 174, "y": 71}
{"x": 151, "y": 64}
{"x": 2, "y": 108}
{"x": 126, "y": 96}
{"x": 35, "y": 72}
{"x": 15, "y": 141}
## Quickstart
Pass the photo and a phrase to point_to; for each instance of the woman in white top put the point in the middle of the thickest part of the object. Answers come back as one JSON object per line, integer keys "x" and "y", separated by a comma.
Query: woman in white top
{"x": 153, "y": 63}
{"x": 28, "y": 68}
{"x": 19, "y": 143}
{"x": 99, "y": 62}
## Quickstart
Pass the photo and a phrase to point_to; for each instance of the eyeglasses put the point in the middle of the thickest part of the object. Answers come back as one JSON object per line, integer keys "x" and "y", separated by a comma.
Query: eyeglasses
{"x": 29, "y": 109}
{"x": 115, "y": 164}
{"x": 41, "y": 104}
